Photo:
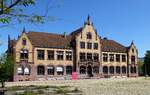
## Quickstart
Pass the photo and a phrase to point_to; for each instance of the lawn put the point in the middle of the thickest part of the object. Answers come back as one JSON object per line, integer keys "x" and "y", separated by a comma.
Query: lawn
{"x": 113, "y": 86}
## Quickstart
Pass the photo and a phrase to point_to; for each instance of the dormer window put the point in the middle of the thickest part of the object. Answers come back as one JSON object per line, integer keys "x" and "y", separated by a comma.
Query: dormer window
{"x": 89, "y": 35}
{"x": 24, "y": 42}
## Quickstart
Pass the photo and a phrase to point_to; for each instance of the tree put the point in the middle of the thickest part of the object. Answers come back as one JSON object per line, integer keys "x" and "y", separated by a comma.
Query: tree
{"x": 140, "y": 67}
{"x": 6, "y": 68}
{"x": 147, "y": 63}
{"x": 13, "y": 10}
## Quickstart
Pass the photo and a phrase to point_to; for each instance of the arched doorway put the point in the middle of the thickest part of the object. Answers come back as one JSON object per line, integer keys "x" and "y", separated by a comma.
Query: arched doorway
{"x": 89, "y": 71}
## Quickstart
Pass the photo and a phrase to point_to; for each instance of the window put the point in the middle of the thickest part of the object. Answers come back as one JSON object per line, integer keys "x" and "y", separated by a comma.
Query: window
{"x": 82, "y": 57}
{"x": 89, "y": 45}
{"x": 96, "y": 57}
{"x": 60, "y": 55}
{"x": 117, "y": 58}
{"x": 27, "y": 70}
{"x": 89, "y": 35}
{"x": 20, "y": 70}
{"x": 24, "y": 54}
{"x": 132, "y": 50}
{"x": 95, "y": 45}
{"x": 60, "y": 70}
{"x": 123, "y": 58}
{"x": 105, "y": 57}
{"x": 24, "y": 42}
{"x": 40, "y": 70}
{"x": 118, "y": 70}
{"x": 40, "y": 54}
{"x": 111, "y": 69}
{"x": 132, "y": 59}
{"x": 123, "y": 69}
{"x": 68, "y": 55}
{"x": 50, "y": 54}
{"x": 82, "y": 44}
{"x": 89, "y": 56}
{"x": 111, "y": 57}
{"x": 50, "y": 70}
{"x": 105, "y": 70}
{"x": 96, "y": 69}
{"x": 69, "y": 70}
{"x": 82, "y": 70}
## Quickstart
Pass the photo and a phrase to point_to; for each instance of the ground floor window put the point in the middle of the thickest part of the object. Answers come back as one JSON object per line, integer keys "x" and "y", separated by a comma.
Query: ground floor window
{"x": 96, "y": 69}
{"x": 60, "y": 70}
{"x": 105, "y": 70}
{"x": 68, "y": 70}
{"x": 133, "y": 69}
{"x": 50, "y": 70}
{"x": 123, "y": 69}
{"x": 118, "y": 70}
{"x": 82, "y": 70}
{"x": 40, "y": 70}
{"x": 27, "y": 70}
{"x": 111, "y": 69}
{"x": 20, "y": 70}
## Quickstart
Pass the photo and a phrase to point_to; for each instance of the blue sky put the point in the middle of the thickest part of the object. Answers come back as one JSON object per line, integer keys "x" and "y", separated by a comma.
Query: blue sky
{"x": 120, "y": 20}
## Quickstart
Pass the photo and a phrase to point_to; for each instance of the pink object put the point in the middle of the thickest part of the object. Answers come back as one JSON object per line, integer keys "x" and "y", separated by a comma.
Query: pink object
{"x": 74, "y": 76}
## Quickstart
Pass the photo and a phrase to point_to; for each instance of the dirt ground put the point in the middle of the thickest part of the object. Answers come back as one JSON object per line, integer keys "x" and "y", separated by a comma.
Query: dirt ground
{"x": 111, "y": 86}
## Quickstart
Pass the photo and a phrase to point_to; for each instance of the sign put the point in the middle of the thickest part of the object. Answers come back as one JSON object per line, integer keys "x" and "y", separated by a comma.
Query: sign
{"x": 74, "y": 76}
{"x": 59, "y": 69}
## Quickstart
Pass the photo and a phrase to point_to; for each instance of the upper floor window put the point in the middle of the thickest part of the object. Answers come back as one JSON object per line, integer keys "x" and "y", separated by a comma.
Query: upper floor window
{"x": 89, "y": 45}
{"x": 60, "y": 55}
{"x": 132, "y": 50}
{"x": 117, "y": 58}
{"x": 68, "y": 55}
{"x": 24, "y": 54}
{"x": 111, "y": 57}
{"x": 123, "y": 58}
{"x": 24, "y": 42}
{"x": 82, "y": 44}
{"x": 96, "y": 57}
{"x": 89, "y": 56}
{"x": 82, "y": 56}
{"x": 89, "y": 35}
{"x": 132, "y": 59}
{"x": 105, "y": 57}
{"x": 50, "y": 54}
{"x": 95, "y": 45}
{"x": 40, "y": 54}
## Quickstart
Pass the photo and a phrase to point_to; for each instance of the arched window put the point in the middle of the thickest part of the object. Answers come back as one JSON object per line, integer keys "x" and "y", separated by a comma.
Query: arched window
{"x": 118, "y": 70}
{"x": 89, "y": 35}
{"x": 50, "y": 70}
{"x": 40, "y": 70}
{"x": 68, "y": 70}
{"x": 96, "y": 69}
{"x": 60, "y": 70}
{"x": 123, "y": 69}
{"x": 82, "y": 70}
{"x": 24, "y": 42}
{"x": 27, "y": 70}
{"x": 132, "y": 69}
{"x": 105, "y": 70}
{"x": 111, "y": 69}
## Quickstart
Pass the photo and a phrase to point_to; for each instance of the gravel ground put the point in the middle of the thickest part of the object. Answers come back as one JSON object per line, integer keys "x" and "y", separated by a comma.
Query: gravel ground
{"x": 112, "y": 86}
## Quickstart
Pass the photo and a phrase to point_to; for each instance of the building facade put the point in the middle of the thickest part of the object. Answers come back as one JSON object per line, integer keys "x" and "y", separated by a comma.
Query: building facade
{"x": 47, "y": 56}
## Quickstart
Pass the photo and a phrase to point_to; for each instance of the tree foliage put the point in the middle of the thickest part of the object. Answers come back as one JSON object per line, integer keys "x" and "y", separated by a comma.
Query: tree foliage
{"x": 13, "y": 10}
{"x": 6, "y": 68}
{"x": 147, "y": 63}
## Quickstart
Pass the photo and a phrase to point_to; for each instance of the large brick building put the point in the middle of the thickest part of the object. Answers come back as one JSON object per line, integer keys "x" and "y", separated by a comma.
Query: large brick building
{"x": 47, "y": 56}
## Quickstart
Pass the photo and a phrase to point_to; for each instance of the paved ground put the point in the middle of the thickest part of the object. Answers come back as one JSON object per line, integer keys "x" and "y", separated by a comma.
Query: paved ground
{"x": 115, "y": 86}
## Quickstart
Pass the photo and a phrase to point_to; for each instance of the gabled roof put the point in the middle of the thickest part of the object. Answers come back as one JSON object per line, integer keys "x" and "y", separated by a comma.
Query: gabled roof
{"x": 77, "y": 31}
{"x": 112, "y": 46}
{"x": 49, "y": 40}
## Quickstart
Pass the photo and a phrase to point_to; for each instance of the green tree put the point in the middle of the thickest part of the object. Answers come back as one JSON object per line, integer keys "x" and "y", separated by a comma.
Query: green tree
{"x": 14, "y": 10}
{"x": 140, "y": 67}
{"x": 147, "y": 63}
{"x": 6, "y": 68}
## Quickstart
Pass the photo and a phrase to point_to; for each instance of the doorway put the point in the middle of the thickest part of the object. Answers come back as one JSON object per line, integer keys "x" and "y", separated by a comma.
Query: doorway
{"x": 89, "y": 71}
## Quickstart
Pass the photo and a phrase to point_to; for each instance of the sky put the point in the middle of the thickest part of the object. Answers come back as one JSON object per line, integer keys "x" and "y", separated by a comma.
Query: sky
{"x": 121, "y": 20}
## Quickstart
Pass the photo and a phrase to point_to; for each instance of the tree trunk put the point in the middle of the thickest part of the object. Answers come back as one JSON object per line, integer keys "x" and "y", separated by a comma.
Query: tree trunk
{"x": 2, "y": 84}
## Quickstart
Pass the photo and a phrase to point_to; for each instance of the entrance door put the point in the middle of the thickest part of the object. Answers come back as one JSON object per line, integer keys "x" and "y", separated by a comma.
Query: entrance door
{"x": 89, "y": 71}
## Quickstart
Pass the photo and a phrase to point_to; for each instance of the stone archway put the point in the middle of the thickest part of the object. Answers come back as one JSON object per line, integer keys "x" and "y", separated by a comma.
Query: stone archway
{"x": 89, "y": 70}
